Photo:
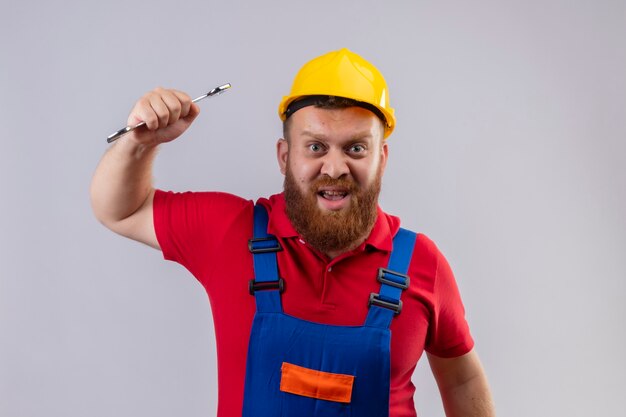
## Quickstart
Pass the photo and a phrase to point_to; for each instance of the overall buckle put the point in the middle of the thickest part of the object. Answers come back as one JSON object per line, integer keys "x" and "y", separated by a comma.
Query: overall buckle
{"x": 377, "y": 301}
{"x": 393, "y": 278}
{"x": 254, "y": 285}
{"x": 260, "y": 245}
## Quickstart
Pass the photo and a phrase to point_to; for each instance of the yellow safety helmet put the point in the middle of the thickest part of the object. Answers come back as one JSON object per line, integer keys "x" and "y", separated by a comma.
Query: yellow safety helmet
{"x": 341, "y": 73}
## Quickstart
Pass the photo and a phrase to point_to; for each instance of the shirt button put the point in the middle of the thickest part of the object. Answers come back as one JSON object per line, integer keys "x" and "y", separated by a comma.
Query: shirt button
{"x": 301, "y": 241}
{"x": 330, "y": 269}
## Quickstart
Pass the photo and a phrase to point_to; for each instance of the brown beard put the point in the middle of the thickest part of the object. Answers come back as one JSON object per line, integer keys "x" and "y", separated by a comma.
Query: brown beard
{"x": 332, "y": 231}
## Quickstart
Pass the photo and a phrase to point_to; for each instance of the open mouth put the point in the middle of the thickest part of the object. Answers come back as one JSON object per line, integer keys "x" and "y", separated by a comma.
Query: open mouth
{"x": 333, "y": 195}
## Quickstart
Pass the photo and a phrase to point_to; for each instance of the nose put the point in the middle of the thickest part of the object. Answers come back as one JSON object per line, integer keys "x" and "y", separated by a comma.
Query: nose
{"x": 335, "y": 164}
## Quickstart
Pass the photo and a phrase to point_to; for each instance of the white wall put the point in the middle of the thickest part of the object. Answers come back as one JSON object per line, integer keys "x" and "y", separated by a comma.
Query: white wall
{"x": 509, "y": 153}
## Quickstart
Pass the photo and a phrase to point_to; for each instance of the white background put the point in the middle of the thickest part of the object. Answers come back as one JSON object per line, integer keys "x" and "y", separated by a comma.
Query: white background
{"x": 509, "y": 153}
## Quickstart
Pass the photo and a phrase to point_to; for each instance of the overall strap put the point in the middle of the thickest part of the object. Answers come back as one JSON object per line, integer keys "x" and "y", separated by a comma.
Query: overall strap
{"x": 385, "y": 305}
{"x": 267, "y": 285}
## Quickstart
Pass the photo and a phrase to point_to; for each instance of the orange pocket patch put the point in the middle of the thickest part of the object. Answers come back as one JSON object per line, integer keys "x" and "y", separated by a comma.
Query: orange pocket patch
{"x": 316, "y": 384}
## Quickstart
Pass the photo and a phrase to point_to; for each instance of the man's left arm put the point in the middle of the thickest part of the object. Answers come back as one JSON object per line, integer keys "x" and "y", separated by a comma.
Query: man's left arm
{"x": 463, "y": 385}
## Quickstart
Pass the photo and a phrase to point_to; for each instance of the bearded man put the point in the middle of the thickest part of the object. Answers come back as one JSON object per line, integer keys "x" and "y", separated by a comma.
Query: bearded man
{"x": 322, "y": 304}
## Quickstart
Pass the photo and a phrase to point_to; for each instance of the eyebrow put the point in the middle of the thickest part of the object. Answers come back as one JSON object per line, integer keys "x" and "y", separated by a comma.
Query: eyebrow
{"x": 313, "y": 134}
{"x": 355, "y": 137}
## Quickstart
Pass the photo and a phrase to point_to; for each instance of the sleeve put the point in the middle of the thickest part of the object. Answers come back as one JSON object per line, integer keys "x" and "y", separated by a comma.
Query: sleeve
{"x": 448, "y": 334}
{"x": 190, "y": 225}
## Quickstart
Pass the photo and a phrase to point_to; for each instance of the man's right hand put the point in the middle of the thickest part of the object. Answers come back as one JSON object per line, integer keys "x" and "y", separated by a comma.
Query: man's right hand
{"x": 167, "y": 114}
{"x": 121, "y": 189}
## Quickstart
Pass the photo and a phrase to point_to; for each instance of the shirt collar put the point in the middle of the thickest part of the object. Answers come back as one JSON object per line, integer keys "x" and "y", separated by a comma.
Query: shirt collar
{"x": 380, "y": 237}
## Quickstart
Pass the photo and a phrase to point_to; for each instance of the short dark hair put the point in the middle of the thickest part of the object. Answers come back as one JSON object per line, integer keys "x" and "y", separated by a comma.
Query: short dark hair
{"x": 325, "y": 102}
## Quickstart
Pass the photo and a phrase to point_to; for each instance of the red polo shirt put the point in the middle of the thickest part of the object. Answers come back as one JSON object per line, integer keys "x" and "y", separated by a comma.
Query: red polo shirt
{"x": 208, "y": 233}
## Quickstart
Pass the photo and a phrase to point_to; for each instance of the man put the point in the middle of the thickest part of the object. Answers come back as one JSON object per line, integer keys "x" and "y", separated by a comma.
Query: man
{"x": 304, "y": 313}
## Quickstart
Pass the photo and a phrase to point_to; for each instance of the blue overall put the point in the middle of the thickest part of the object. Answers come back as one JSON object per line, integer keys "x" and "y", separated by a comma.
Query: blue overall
{"x": 323, "y": 353}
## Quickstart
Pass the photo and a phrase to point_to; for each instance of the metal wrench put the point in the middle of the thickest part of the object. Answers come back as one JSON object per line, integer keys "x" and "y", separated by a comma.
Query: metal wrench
{"x": 217, "y": 90}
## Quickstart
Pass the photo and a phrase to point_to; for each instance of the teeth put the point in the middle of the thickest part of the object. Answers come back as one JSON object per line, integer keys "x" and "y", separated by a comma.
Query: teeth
{"x": 333, "y": 195}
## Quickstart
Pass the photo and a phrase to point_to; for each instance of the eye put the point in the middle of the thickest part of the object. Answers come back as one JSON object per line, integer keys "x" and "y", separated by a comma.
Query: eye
{"x": 357, "y": 149}
{"x": 315, "y": 147}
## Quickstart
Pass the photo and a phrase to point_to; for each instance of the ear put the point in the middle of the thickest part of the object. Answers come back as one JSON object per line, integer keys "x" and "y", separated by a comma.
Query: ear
{"x": 384, "y": 153}
{"x": 282, "y": 154}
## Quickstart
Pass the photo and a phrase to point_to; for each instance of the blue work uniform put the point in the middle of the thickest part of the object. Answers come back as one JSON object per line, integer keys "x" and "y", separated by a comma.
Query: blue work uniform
{"x": 298, "y": 368}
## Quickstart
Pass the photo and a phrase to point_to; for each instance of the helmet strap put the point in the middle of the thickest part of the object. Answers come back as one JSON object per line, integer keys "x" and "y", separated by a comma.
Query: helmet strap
{"x": 306, "y": 101}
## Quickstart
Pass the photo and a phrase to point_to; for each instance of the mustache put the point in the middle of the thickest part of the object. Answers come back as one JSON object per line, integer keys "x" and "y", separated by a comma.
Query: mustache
{"x": 326, "y": 181}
